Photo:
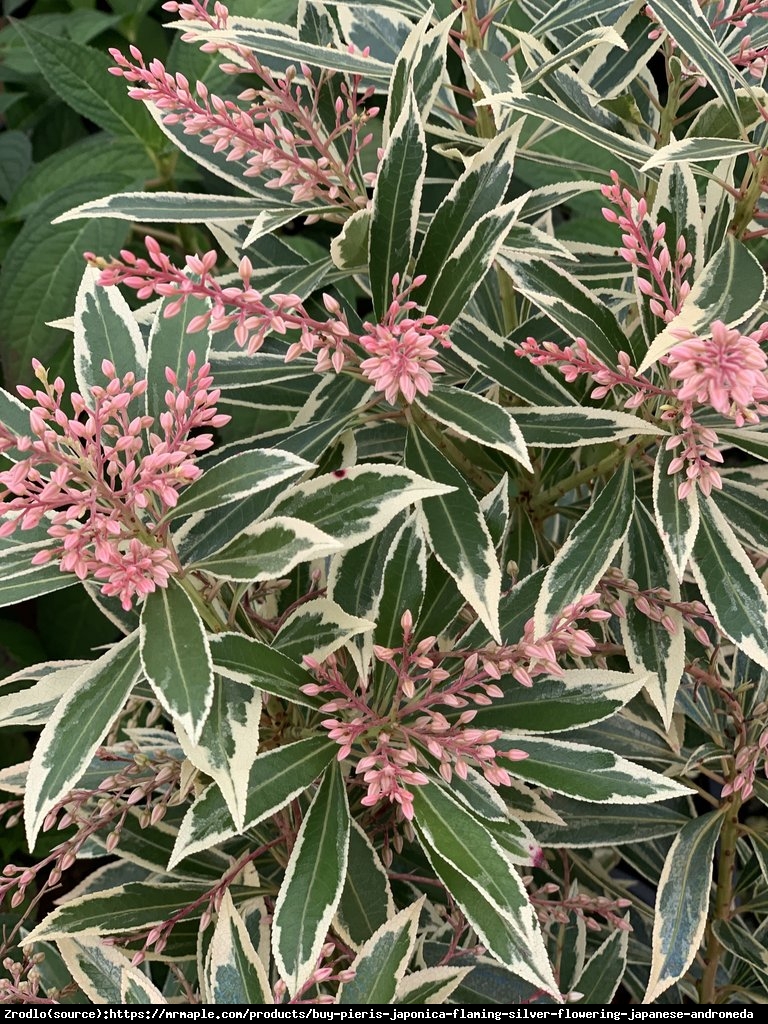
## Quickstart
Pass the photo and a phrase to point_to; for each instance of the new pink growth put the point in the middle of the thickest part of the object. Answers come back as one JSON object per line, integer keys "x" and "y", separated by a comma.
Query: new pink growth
{"x": 402, "y": 359}
{"x": 103, "y": 479}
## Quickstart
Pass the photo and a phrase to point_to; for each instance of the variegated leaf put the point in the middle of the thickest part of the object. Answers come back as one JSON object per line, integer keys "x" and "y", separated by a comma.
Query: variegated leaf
{"x": 592, "y": 825}
{"x": 382, "y": 961}
{"x": 395, "y": 204}
{"x": 588, "y": 773}
{"x": 354, "y": 504}
{"x": 236, "y": 973}
{"x": 169, "y": 347}
{"x": 682, "y": 902}
{"x": 694, "y": 150}
{"x": 176, "y": 656}
{"x": 228, "y": 742}
{"x": 589, "y": 549}
{"x": 126, "y": 908}
{"x": 76, "y": 728}
{"x": 237, "y": 477}
{"x": 269, "y": 549}
{"x": 730, "y": 585}
{"x": 677, "y": 520}
{"x": 317, "y": 629}
{"x": 457, "y": 533}
{"x": 430, "y": 985}
{"x": 649, "y": 646}
{"x": 102, "y": 971}
{"x": 247, "y": 660}
{"x": 313, "y": 883}
{"x": 451, "y": 836}
{"x": 477, "y": 418}
{"x": 105, "y": 328}
{"x": 366, "y": 901}
{"x": 276, "y": 777}
{"x": 566, "y": 427}
{"x": 602, "y": 974}
{"x": 35, "y": 705}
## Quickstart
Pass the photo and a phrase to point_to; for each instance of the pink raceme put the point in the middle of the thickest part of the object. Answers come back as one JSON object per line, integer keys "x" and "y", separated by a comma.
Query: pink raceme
{"x": 102, "y": 478}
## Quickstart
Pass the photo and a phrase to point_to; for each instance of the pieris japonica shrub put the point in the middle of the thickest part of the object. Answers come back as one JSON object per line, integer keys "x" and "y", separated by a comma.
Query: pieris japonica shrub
{"x": 429, "y": 500}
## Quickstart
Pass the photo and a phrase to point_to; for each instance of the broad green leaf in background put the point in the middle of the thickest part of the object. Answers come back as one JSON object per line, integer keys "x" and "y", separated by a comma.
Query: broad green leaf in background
{"x": 314, "y": 879}
{"x": 682, "y": 902}
{"x": 76, "y": 728}
{"x": 396, "y": 201}
{"x": 589, "y": 549}
{"x": 235, "y": 973}
{"x": 176, "y": 656}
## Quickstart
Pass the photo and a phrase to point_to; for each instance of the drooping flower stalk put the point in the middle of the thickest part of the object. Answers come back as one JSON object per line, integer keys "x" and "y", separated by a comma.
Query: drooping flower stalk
{"x": 401, "y": 358}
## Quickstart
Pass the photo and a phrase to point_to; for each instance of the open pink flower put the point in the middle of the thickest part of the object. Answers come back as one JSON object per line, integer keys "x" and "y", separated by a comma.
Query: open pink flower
{"x": 726, "y": 371}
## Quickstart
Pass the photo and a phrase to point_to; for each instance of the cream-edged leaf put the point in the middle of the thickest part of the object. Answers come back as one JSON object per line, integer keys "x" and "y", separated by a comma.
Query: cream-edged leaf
{"x": 35, "y": 705}
{"x": 682, "y": 902}
{"x": 236, "y": 973}
{"x": 105, "y": 328}
{"x": 382, "y": 961}
{"x": 477, "y": 418}
{"x": 317, "y": 629}
{"x": 76, "y": 728}
{"x": 677, "y": 520}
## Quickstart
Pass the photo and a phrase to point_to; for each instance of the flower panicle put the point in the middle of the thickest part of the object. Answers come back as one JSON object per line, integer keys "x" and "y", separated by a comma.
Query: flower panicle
{"x": 102, "y": 479}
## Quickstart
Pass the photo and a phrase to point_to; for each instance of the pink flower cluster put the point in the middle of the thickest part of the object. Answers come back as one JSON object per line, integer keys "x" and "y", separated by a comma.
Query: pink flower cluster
{"x": 276, "y": 132}
{"x": 401, "y": 357}
{"x": 745, "y": 766}
{"x": 390, "y": 742}
{"x": 644, "y": 248}
{"x": 104, "y": 479}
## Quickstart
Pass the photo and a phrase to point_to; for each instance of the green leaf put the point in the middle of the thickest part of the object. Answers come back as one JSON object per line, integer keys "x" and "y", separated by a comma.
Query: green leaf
{"x": 420, "y": 65}
{"x": 314, "y": 878}
{"x": 689, "y": 28}
{"x": 228, "y": 741}
{"x": 127, "y": 908}
{"x": 366, "y": 900}
{"x": 682, "y": 902}
{"x": 649, "y": 646}
{"x": 238, "y": 477}
{"x": 477, "y": 418}
{"x": 676, "y": 520}
{"x": 105, "y": 328}
{"x": 589, "y": 549}
{"x": 396, "y": 201}
{"x": 730, "y": 287}
{"x": 169, "y": 347}
{"x": 588, "y": 773}
{"x": 431, "y": 985}
{"x": 269, "y": 549}
{"x": 457, "y": 533}
{"x": 79, "y": 75}
{"x": 41, "y": 272}
{"x": 276, "y": 778}
{"x": 381, "y": 963}
{"x": 730, "y": 585}
{"x": 236, "y": 973}
{"x": 15, "y": 160}
{"x": 579, "y": 697}
{"x": 567, "y": 12}
{"x": 247, "y": 660}
{"x": 447, "y": 829}
{"x": 176, "y": 656}
{"x": 76, "y": 728}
